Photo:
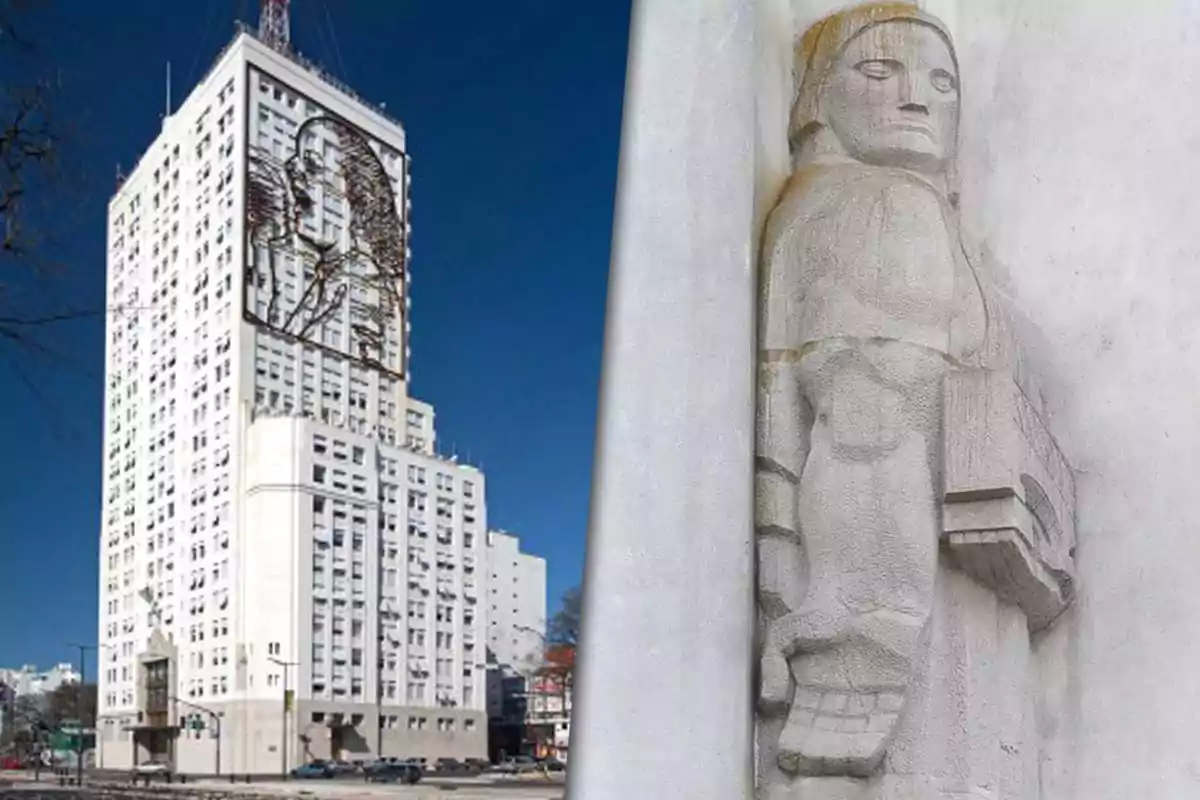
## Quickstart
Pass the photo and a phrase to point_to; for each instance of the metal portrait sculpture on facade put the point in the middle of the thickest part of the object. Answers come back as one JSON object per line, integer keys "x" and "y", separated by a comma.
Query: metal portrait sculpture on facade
{"x": 896, "y": 435}
{"x": 360, "y": 266}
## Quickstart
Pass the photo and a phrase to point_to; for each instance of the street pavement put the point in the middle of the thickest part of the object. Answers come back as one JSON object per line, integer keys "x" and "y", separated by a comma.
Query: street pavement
{"x": 17, "y": 786}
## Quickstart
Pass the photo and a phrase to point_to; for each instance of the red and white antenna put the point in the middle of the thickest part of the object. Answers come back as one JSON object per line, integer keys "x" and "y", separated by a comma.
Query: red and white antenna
{"x": 274, "y": 26}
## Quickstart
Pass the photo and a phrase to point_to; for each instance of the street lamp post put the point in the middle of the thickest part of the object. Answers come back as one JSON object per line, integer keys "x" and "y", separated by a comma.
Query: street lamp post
{"x": 283, "y": 760}
{"x": 79, "y": 702}
{"x": 216, "y": 720}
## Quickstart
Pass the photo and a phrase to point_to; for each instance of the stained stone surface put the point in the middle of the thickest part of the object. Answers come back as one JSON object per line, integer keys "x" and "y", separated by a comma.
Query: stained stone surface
{"x": 1092, "y": 208}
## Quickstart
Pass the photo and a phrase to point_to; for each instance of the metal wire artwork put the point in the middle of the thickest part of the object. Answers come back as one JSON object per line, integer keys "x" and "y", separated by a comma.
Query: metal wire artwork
{"x": 362, "y": 270}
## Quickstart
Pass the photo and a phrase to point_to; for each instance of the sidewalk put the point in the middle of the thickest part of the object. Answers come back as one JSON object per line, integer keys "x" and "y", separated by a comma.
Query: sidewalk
{"x": 213, "y": 789}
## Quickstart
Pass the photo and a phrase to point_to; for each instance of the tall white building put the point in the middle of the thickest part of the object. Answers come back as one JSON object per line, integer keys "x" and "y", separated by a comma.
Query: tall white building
{"x": 283, "y": 554}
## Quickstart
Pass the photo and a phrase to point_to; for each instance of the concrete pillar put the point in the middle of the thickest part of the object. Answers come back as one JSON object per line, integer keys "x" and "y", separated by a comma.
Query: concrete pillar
{"x": 664, "y": 707}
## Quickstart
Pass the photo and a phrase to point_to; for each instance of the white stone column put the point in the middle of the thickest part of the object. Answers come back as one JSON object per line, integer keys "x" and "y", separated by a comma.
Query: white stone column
{"x": 664, "y": 702}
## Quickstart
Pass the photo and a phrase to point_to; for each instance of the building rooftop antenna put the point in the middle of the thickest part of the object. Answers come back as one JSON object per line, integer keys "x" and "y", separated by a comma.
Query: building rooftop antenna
{"x": 274, "y": 25}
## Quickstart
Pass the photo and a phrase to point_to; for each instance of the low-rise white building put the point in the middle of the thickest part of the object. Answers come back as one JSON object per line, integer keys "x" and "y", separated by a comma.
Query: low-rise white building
{"x": 549, "y": 704}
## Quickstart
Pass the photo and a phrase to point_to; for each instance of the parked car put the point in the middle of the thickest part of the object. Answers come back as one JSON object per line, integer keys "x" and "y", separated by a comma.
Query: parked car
{"x": 478, "y": 766}
{"x": 518, "y": 765}
{"x": 313, "y": 769}
{"x": 154, "y": 766}
{"x": 395, "y": 771}
{"x": 553, "y": 765}
{"x": 385, "y": 762}
{"x": 449, "y": 766}
{"x": 340, "y": 767}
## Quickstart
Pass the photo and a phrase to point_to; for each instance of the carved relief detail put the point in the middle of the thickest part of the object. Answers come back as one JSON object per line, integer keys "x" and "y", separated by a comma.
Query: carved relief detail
{"x": 888, "y": 417}
{"x": 355, "y": 269}
{"x": 1009, "y": 513}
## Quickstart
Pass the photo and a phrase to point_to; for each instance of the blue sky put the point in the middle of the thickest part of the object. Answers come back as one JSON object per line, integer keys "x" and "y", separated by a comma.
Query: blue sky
{"x": 513, "y": 114}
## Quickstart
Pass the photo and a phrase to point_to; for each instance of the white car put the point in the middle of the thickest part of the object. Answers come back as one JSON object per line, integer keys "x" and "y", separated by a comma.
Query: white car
{"x": 153, "y": 767}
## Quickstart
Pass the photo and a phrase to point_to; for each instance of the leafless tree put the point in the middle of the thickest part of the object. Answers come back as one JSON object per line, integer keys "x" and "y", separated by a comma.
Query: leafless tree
{"x": 38, "y": 203}
{"x": 29, "y": 148}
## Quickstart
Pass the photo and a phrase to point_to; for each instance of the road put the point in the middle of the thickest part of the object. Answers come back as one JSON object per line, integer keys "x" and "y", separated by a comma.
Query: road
{"x": 20, "y": 787}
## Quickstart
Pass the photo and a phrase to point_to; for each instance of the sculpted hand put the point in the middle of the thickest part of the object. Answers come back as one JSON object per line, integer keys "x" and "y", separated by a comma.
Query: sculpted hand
{"x": 775, "y": 683}
{"x": 807, "y": 631}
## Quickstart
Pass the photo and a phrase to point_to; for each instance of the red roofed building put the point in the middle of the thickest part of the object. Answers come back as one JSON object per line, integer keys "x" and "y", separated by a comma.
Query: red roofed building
{"x": 549, "y": 703}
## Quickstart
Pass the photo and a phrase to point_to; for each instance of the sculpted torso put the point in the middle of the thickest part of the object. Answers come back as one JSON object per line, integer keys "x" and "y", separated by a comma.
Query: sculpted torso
{"x": 868, "y": 253}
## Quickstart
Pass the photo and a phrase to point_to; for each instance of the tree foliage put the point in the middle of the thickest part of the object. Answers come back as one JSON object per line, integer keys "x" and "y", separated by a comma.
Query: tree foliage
{"x": 558, "y": 665}
{"x": 30, "y": 719}
{"x": 564, "y": 625}
{"x": 72, "y": 701}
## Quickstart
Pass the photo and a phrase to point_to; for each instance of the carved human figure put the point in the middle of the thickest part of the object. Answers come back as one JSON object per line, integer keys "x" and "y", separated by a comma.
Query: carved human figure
{"x": 868, "y": 302}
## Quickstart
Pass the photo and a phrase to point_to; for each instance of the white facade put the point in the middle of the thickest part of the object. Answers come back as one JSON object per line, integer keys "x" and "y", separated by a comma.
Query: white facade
{"x": 516, "y": 633}
{"x": 271, "y": 494}
{"x": 516, "y": 603}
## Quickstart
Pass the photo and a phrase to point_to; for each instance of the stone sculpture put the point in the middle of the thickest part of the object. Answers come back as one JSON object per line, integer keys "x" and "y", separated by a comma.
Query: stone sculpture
{"x": 897, "y": 434}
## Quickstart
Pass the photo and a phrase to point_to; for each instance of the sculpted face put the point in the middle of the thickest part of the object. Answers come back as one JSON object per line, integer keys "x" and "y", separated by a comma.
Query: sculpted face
{"x": 892, "y": 98}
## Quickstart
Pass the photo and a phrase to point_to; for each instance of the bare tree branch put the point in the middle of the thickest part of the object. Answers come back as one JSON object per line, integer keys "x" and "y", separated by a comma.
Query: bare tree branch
{"x": 32, "y": 202}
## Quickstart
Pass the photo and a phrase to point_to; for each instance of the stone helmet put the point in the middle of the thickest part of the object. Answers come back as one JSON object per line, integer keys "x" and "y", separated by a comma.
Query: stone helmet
{"x": 821, "y": 45}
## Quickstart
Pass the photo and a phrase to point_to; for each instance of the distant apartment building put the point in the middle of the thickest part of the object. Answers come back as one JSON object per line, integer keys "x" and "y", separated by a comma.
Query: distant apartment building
{"x": 29, "y": 680}
{"x": 516, "y": 597}
{"x": 278, "y": 531}
{"x": 516, "y": 594}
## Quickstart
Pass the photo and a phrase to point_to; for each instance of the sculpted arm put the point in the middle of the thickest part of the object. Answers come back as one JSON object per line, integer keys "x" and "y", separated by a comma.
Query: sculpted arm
{"x": 784, "y": 420}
